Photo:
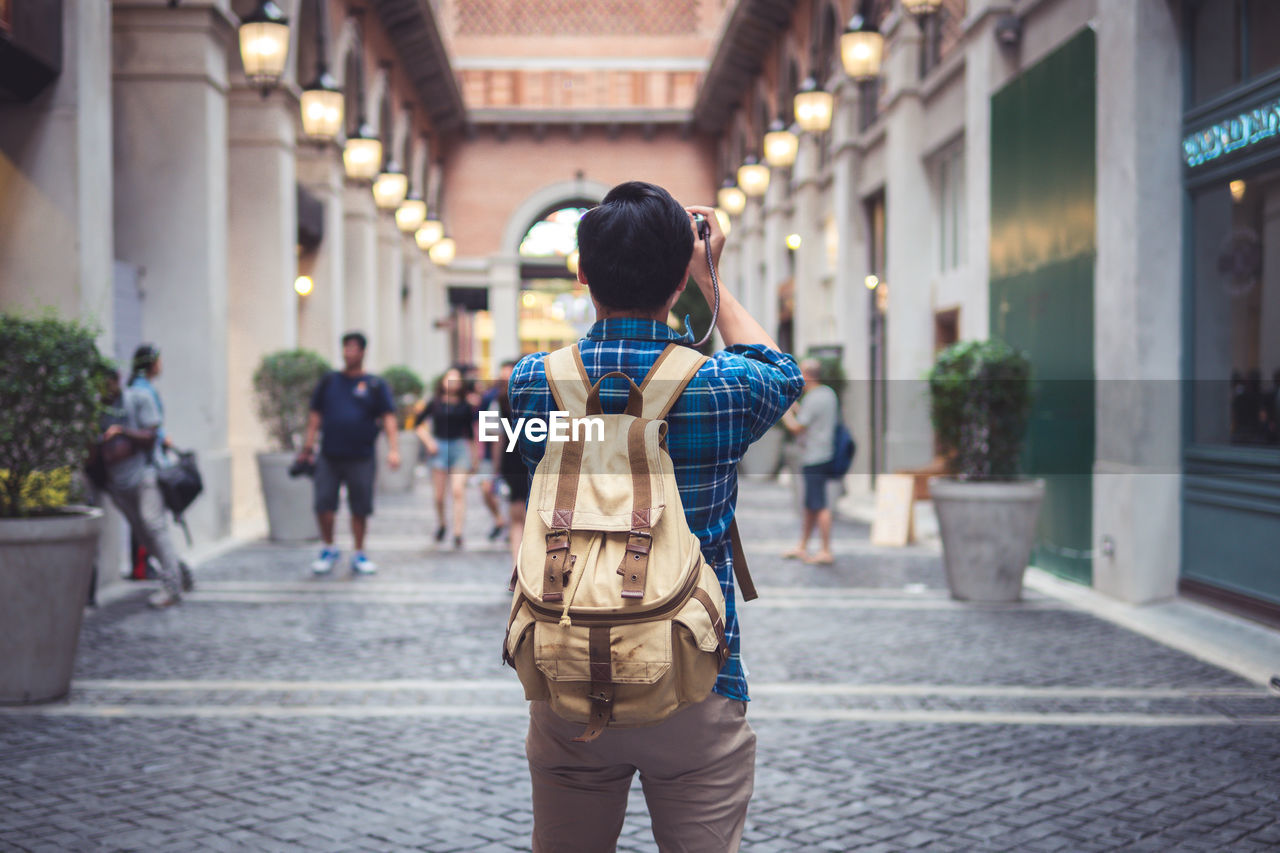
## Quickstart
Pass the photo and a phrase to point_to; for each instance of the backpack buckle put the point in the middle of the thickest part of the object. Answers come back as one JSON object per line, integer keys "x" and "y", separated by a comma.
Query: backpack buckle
{"x": 555, "y": 570}
{"x": 635, "y": 563}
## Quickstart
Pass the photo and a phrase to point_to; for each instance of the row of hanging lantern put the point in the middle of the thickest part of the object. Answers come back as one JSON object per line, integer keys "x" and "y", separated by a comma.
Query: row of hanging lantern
{"x": 861, "y": 53}
{"x": 264, "y": 50}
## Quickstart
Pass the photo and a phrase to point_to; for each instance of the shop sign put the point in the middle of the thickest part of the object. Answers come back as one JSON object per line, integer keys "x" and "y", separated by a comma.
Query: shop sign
{"x": 1231, "y": 134}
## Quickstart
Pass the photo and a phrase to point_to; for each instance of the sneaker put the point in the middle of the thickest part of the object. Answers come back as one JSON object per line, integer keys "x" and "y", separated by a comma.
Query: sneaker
{"x": 497, "y": 531}
{"x": 326, "y": 561}
{"x": 162, "y": 598}
{"x": 188, "y": 579}
{"x": 362, "y": 565}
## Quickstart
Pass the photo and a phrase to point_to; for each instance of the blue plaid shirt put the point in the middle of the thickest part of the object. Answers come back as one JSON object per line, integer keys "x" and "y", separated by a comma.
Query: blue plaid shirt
{"x": 734, "y": 398}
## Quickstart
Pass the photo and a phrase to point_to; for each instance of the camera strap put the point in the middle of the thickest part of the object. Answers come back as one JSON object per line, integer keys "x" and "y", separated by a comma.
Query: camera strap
{"x": 704, "y": 232}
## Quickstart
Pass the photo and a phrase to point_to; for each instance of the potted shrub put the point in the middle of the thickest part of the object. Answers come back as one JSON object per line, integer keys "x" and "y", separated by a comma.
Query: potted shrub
{"x": 406, "y": 389}
{"x": 49, "y": 409}
{"x": 980, "y": 396}
{"x": 284, "y": 382}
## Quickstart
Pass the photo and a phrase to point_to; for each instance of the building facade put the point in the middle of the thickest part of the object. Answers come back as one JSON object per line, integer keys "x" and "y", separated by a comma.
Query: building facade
{"x": 1089, "y": 181}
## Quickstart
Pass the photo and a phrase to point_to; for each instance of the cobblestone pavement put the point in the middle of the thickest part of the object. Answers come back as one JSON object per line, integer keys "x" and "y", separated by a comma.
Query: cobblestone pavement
{"x": 277, "y": 711}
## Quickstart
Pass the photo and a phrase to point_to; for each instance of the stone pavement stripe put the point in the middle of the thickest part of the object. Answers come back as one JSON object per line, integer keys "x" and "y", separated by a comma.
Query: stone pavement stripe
{"x": 424, "y": 543}
{"x": 372, "y": 594}
{"x": 366, "y": 712}
{"x": 767, "y": 688}
{"x": 337, "y": 586}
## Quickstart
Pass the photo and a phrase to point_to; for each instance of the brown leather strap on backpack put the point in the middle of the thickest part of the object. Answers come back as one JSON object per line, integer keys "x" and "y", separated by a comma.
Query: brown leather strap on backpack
{"x": 569, "y": 385}
{"x": 635, "y": 558}
{"x": 556, "y": 566}
{"x": 601, "y": 690}
{"x": 722, "y": 650}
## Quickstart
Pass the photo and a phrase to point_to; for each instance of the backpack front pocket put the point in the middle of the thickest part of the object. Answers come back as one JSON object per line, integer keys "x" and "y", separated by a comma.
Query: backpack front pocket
{"x": 639, "y": 653}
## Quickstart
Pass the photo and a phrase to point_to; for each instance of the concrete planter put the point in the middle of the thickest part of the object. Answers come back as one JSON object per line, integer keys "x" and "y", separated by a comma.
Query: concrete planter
{"x": 45, "y": 568}
{"x": 290, "y": 517}
{"x": 987, "y": 533}
{"x": 763, "y": 458}
{"x": 400, "y": 481}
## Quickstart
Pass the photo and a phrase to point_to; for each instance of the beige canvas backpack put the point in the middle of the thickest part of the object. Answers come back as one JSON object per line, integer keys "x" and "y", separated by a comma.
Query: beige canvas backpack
{"x": 617, "y": 620}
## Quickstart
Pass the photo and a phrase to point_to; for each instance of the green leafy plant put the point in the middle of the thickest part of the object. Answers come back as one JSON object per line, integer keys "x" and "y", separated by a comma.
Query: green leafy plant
{"x": 980, "y": 400}
{"x": 283, "y": 383}
{"x": 406, "y": 389}
{"x": 50, "y": 402}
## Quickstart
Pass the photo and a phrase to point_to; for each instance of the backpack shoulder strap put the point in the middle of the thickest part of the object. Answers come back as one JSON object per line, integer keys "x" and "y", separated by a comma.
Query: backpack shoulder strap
{"x": 740, "y": 571}
{"x": 567, "y": 379}
{"x": 666, "y": 380}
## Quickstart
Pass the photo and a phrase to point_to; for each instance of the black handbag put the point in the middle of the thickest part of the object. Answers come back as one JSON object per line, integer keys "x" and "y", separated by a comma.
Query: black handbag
{"x": 180, "y": 484}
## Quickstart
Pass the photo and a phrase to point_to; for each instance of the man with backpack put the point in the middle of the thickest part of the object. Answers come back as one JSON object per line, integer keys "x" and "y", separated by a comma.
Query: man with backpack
{"x": 636, "y": 251}
{"x": 815, "y": 423}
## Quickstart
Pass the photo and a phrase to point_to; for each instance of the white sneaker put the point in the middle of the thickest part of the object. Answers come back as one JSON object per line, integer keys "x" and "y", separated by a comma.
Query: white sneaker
{"x": 161, "y": 598}
{"x": 326, "y": 561}
{"x": 362, "y": 565}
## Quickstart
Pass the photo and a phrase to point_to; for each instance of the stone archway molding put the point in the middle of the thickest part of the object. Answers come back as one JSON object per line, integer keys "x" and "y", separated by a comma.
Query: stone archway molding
{"x": 522, "y": 218}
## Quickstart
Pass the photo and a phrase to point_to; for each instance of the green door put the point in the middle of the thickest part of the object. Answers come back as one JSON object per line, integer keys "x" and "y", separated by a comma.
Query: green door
{"x": 1043, "y": 192}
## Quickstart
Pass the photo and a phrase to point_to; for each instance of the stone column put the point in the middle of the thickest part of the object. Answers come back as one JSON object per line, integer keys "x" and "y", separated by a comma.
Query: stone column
{"x": 853, "y": 263}
{"x": 390, "y": 286}
{"x": 811, "y": 309}
{"x": 170, "y": 136}
{"x": 753, "y": 282}
{"x": 435, "y": 306}
{"x": 773, "y": 265}
{"x": 321, "y": 314}
{"x": 360, "y": 265}
{"x": 987, "y": 68}
{"x": 1137, "y": 315}
{"x": 504, "y": 308}
{"x": 55, "y": 209}
{"x": 413, "y": 330}
{"x": 55, "y": 169}
{"x": 262, "y": 306}
{"x": 909, "y": 439}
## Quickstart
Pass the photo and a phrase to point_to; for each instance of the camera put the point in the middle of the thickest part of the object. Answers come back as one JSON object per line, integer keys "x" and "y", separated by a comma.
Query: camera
{"x": 303, "y": 466}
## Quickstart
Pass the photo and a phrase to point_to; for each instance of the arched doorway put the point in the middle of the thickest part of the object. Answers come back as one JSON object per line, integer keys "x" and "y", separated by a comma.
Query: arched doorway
{"x": 554, "y": 309}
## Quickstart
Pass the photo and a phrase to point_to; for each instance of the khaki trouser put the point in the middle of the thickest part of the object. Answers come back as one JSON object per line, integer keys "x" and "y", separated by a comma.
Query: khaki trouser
{"x": 697, "y": 769}
{"x": 143, "y": 507}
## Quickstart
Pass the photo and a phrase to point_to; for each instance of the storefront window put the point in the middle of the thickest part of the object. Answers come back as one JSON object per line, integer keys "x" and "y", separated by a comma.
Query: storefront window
{"x": 1216, "y": 35}
{"x": 1232, "y": 42}
{"x": 1237, "y": 311}
{"x": 1264, "y": 47}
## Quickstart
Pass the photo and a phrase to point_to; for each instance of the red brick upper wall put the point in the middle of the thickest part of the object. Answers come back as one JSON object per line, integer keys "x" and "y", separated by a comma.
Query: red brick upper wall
{"x": 481, "y": 197}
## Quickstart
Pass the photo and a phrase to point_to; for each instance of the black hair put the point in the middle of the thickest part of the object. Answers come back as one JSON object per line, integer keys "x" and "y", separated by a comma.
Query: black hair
{"x": 144, "y": 357}
{"x": 634, "y": 248}
{"x": 439, "y": 383}
{"x": 358, "y": 337}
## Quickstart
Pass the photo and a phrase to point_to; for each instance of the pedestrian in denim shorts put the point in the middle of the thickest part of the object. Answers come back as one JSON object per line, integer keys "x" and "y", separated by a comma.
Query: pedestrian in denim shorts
{"x": 448, "y": 429}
